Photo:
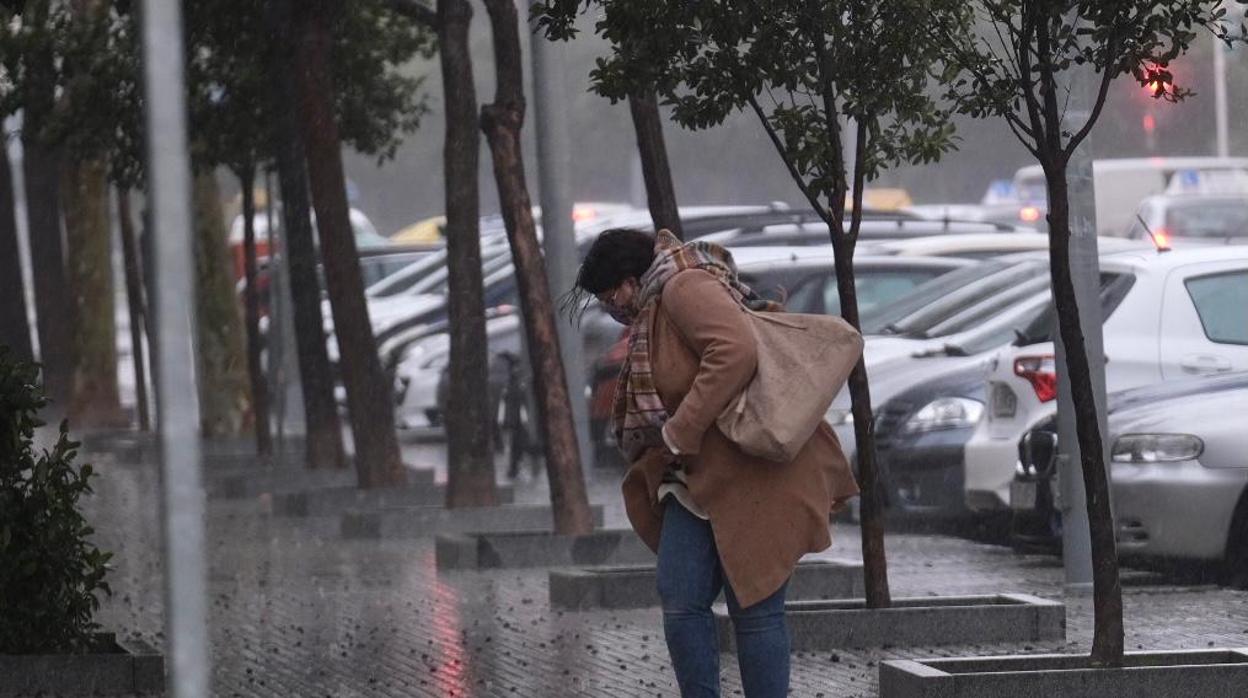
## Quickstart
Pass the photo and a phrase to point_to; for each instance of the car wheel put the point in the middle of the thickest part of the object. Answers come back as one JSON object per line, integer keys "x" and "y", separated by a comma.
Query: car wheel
{"x": 1236, "y": 563}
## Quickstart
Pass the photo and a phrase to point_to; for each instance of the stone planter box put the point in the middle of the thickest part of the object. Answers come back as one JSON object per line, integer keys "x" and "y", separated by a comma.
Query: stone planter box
{"x": 255, "y": 479}
{"x": 333, "y": 501}
{"x": 421, "y": 522}
{"x": 511, "y": 549}
{"x": 1214, "y": 672}
{"x": 635, "y": 586}
{"x": 917, "y": 621}
{"x": 117, "y": 667}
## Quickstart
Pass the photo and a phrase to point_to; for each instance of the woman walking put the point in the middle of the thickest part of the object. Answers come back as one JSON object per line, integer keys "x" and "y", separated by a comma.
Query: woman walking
{"x": 718, "y": 519}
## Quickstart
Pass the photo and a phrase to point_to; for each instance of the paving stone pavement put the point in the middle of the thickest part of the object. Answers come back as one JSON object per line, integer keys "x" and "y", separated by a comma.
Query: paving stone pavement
{"x": 295, "y": 614}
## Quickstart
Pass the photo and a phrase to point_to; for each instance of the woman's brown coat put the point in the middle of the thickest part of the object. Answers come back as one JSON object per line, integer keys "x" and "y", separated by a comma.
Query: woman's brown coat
{"x": 765, "y": 515}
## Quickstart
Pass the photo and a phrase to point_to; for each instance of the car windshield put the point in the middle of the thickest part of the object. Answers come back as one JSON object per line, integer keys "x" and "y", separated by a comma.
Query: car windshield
{"x": 436, "y": 283}
{"x": 875, "y": 286}
{"x": 1208, "y": 218}
{"x": 1114, "y": 288}
{"x": 958, "y": 300}
{"x": 408, "y": 276}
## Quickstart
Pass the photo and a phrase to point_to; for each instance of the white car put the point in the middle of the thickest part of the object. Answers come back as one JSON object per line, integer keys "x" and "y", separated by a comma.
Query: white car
{"x": 1179, "y": 474}
{"x": 1186, "y": 219}
{"x": 966, "y": 312}
{"x": 1167, "y": 315}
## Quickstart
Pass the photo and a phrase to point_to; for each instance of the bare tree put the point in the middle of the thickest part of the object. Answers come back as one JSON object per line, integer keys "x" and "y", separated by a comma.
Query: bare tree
{"x": 501, "y": 121}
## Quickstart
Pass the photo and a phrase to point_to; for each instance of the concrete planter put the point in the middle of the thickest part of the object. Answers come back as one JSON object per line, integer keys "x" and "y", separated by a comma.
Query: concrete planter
{"x": 635, "y": 586}
{"x": 919, "y": 621}
{"x": 513, "y": 549}
{"x": 333, "y": 501}
{"x": 254, "y": 479}
{"x": 421, "y": 522}
{"x": 117, "y": 667}
{"x": 1215, "y": 672}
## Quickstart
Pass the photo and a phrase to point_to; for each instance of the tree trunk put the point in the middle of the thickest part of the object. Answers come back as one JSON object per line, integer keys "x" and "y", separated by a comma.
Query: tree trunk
{"x": 1107, "y": 637}
{"x": 324, "y": 431}
{"x": 469, "y": 421}
{"x": 223, "y": 396}
{"x": 93, "y": 400}
{"x": 370, "y": 397}
{"x": 875, "y": 565}
{"x": 136, "y": 304}
{"x": 54, "y": 321}
{"x": 501, "y": 122}
{"x": 251, "y": 315}
{"x": 14, "y": 325}
{"x": 660, "y": 193}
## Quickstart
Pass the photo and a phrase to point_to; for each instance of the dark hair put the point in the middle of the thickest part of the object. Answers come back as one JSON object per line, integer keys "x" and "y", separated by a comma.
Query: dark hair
{"x": 617, "y": 254}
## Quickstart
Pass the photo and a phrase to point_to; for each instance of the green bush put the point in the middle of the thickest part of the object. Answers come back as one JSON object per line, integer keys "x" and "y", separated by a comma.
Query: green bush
{"x": 50, "y": 572}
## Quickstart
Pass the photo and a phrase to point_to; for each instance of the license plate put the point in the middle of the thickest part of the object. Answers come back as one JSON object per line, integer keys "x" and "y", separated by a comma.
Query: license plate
{"x": 1022, "y": 496}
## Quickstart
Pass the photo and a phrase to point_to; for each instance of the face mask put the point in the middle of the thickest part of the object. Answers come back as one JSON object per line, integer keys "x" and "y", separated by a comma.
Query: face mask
{"x": 620, "y": 315}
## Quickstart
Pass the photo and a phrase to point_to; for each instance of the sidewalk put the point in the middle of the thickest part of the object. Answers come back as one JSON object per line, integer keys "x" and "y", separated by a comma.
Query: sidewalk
{"x": 294, "y": 615}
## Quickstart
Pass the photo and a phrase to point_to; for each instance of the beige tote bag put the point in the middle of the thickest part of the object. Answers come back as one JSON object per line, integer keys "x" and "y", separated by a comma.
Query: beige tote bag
{"x": 803, "y": 362}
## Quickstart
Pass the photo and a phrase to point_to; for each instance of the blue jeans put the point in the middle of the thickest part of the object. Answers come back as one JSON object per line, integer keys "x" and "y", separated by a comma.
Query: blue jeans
{"x": 690, "y": 578}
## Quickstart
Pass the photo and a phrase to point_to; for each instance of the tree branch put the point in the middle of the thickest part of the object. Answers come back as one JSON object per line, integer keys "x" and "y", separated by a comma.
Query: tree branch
{"x": 416, "y": 11}
{"x": 1025, "y": 75}
{"x": 860, "y": 180}
{"x": 1106, "y": 77}
{"x": 788, "y": 162}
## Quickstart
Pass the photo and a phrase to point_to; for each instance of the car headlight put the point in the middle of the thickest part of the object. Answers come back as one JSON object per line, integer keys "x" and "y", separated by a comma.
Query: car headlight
{"x": 945, "y": 413}
{"x": 1156, "y": 448}
{"x": 838, "y": 417}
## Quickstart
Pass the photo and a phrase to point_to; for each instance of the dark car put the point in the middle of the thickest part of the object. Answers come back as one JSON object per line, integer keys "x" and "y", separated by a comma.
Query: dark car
{"x": 920, "y": 435}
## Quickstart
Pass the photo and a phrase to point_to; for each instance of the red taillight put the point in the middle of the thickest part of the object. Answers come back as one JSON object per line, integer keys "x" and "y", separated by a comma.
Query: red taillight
{"x": 1029, "y": 214}
{"x": 1041, "y": 372}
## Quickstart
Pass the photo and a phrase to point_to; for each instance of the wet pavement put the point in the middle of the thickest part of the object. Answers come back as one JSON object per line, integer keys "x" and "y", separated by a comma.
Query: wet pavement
{"x": 295, "y": 612}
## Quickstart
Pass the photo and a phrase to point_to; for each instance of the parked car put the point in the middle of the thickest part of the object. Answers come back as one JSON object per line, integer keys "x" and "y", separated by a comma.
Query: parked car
{"x": 1179, "y": 220}
{"x": 1180, "y": 314}
{"x": 879, "y": 227}
{"x": 366, "y": 236}
{"x": 1121, "y": 183}
{"x": 1178, "y": 474}
{"x": 984, "y": 245}
{"x": 803, "y": 278}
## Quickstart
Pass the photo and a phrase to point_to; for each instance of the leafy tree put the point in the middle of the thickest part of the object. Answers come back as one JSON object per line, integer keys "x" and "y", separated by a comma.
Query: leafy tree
{"x": 1018, "y": 67}
{"x": 51, "y": 575}
{"x": 807, "y": 70}
{"x": 557, "y": 20}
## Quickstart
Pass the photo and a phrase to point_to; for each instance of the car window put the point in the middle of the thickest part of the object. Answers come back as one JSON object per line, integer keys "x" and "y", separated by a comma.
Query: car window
{"x": 1114, "y": 288}
{"x": 1208, "y": 219}
{"x": 879, "y": 318}
{"x": 779, "y": 285}
{"x": 879, "y": 288}
{"x": 404, "y": 279}
{"x": 1221, "y": 301}
{"x": 973, "y": 302}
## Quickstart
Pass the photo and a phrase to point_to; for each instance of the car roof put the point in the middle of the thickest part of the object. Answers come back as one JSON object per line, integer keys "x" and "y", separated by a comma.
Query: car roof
{"x": 1159, "y": 163}
{"x": 758, "y": 259}
{"x": 1154, "y": 260}
{"x": 981, "y": 242}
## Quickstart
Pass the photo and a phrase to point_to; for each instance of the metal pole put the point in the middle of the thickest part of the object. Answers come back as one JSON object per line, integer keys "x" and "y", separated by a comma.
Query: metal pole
{"x": 558, "y": 232}
{"x": 169, "y": 175}
{"x": 1085, "y": 268}
{"x": 1221, "y": 118}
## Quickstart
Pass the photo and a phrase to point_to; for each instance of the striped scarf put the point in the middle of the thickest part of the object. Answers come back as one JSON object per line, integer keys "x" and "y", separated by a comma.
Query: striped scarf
{"x": 638, "y": 413}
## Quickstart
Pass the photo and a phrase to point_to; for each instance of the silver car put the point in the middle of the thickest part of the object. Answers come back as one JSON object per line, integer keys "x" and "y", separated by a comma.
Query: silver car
{"x": 1179, "y": 474}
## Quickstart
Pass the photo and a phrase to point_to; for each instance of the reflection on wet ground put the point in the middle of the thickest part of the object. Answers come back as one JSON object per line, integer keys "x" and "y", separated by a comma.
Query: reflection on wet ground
{"x": 295, "y": 610}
